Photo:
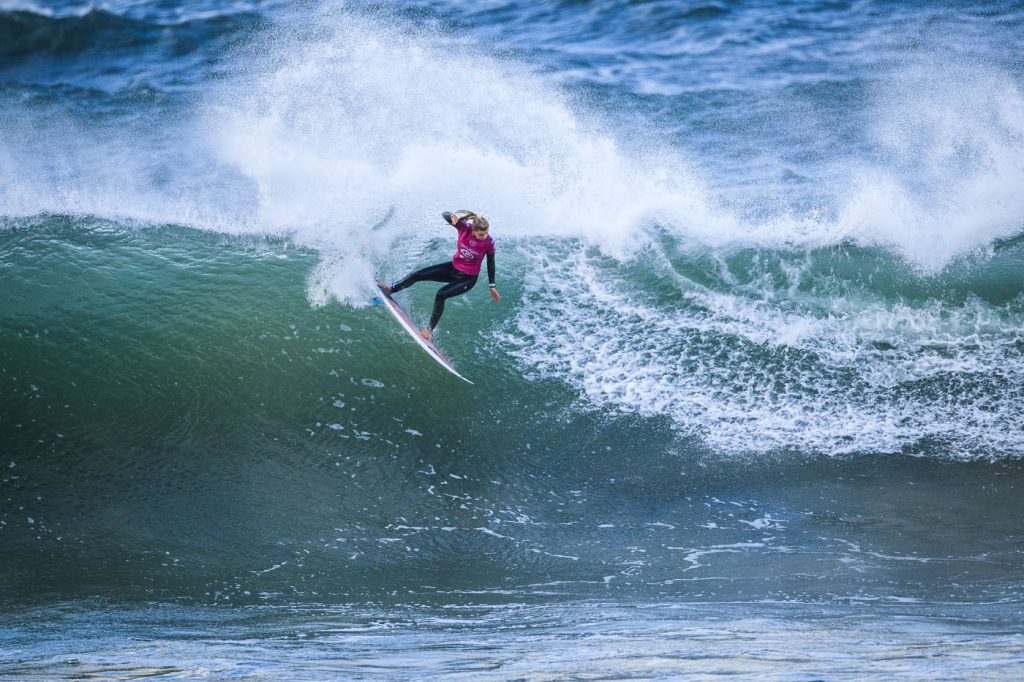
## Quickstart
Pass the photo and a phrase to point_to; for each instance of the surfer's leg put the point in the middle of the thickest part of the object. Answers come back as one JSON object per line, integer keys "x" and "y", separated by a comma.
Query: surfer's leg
{"x": 442, "y": 272}
{"x": 460, "y": 286}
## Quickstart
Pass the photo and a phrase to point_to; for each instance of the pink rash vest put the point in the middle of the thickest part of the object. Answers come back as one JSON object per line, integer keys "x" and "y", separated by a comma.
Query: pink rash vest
{"x": 470, "y": 251}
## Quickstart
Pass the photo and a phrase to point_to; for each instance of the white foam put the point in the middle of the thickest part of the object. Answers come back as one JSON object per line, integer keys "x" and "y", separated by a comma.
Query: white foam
{"x": 26, "y": 6}
{"x": 370, "y": 126}
{"x": 948, "y": 166}
{"x": 751, "y": 374}
{"x": 342, "y": 124}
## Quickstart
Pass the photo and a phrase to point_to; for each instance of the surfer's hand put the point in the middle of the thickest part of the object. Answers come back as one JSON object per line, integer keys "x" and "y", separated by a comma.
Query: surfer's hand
{"x": 453, "y": 218}
{"x": 495, "y": 296}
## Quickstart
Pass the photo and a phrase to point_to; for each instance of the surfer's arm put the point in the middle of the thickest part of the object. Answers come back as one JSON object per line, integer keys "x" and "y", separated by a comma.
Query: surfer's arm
{"x": 490, "y": 278}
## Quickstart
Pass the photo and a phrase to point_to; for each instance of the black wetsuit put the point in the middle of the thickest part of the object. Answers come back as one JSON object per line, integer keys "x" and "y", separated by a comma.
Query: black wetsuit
{"x": 456, "y": 281}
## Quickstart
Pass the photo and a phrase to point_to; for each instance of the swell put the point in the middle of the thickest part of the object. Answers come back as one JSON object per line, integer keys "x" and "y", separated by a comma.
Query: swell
{"x": 97, "y": 32}
{"x": 178, "y": 422}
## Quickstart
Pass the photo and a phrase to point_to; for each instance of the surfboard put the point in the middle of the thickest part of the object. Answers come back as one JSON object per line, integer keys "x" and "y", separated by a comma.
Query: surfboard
{"x": 409, "y": 326}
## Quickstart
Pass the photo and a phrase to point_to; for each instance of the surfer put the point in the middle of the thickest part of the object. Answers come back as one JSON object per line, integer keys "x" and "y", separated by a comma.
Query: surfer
{"x": 459, "y": 274}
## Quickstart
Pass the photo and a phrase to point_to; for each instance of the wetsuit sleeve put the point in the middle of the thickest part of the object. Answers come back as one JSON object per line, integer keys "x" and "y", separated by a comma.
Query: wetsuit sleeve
{"x": 490, "y": 269}
{"x": 459, "y": 225}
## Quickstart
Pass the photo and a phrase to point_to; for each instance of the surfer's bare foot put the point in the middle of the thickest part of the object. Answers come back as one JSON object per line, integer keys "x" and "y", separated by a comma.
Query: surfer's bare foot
{"x": 384, "y": 287}
{"x": 425, "y": 333}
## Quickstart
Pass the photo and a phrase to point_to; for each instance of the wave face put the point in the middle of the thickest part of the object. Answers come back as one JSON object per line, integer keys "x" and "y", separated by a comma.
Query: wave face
{"x": 760, "y": 336}
{"x": 875, "y": 309}
{"x": 180, "y": 423}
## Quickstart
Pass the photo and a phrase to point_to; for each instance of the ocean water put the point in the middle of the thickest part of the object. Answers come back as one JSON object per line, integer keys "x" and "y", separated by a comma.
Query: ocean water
{"x": 752, "y": 402}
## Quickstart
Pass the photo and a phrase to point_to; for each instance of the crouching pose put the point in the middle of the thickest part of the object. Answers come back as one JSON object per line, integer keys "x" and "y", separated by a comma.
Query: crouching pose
{"x": 460, "y": 274}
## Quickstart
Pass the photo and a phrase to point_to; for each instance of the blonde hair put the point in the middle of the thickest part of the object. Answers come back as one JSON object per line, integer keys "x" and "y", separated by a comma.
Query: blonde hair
{"x": 478, "y": 220}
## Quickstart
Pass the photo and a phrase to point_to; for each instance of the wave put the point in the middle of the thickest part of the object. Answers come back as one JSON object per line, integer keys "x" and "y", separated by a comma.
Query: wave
{"x": 179, "y": 420}
{"x": 371, "y": 125}
{"x": 758, "y": 353}
{"x": 26, "y": 33}
{"x": 345, "y": 121}
{"x": 887, "y": 321}
{"x": 840, "y": 351}
{"x": 946, "y": 154}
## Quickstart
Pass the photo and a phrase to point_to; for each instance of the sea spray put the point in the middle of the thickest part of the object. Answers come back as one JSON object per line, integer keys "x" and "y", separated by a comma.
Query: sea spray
{"x": 947, "y": 164}
{"x": 372, "y": 121}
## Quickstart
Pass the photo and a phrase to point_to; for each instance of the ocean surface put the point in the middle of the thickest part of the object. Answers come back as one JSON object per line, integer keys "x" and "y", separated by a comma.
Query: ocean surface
{"x": 752, "y": 403}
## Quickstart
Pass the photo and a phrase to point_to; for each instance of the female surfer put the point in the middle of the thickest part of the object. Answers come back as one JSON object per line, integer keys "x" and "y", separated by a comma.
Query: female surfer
{"x": 459, "y": 274}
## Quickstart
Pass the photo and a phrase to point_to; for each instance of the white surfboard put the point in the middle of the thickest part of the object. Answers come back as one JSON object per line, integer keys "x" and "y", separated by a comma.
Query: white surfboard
{"x": 409, "y": 326}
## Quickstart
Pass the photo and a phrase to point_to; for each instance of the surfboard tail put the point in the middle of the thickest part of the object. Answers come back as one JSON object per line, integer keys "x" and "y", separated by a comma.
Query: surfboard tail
{"x": 410, "y": 327}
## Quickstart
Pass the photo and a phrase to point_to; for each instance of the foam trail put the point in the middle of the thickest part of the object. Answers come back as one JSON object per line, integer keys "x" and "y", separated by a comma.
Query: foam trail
{"x": 750, "y": 373}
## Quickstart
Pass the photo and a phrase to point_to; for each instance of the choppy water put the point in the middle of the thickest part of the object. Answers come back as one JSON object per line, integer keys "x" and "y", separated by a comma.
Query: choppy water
{"x": 751, "y": 403}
